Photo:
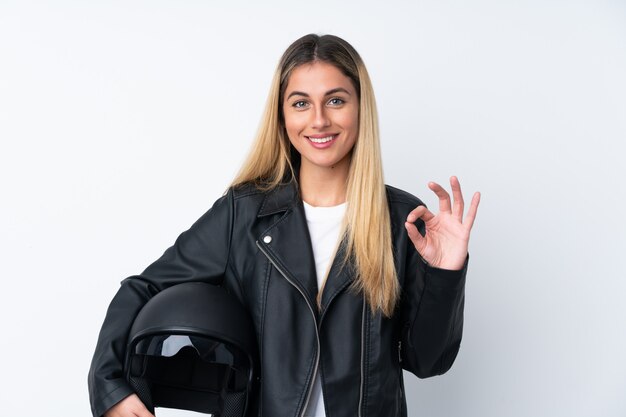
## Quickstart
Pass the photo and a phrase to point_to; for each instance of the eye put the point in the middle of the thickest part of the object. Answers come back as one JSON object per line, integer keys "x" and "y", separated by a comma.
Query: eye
{"x": 299, "y": 104}
{"x": 336, "y": 101}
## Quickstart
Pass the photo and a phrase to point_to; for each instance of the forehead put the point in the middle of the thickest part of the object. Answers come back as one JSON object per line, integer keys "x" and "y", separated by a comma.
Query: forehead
{"x": 317, "y": 78}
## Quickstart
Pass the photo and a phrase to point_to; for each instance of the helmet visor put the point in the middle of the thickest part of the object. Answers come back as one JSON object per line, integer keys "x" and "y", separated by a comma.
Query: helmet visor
{"x": 191, "y": 362}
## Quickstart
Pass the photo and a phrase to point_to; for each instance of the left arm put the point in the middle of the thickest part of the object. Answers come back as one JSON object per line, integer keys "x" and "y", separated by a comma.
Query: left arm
{"x": 434, "y": 298}
{"x": 432, "y": 314}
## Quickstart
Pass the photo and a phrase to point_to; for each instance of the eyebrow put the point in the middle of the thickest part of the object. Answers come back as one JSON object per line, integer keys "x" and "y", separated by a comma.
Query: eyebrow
{"x": 329, "y": 92}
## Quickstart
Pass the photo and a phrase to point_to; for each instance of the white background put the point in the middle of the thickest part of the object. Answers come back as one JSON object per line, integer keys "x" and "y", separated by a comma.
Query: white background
{"x": 121, "y": 122}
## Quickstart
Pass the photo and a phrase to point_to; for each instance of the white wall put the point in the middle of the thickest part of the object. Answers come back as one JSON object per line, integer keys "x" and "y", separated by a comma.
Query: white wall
{"x": 122, "y": 121}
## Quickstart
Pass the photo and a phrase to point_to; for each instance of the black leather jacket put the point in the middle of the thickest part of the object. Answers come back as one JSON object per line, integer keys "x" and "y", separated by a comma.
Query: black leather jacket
{"x": 257, "y": 245}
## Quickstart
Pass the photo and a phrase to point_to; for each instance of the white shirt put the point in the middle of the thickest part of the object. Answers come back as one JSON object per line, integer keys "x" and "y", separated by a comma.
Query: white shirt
{"x": 324, "y": 227}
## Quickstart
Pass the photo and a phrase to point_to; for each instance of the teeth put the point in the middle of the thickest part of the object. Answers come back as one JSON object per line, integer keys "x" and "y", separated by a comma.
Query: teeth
{"x": 321, "y": 140}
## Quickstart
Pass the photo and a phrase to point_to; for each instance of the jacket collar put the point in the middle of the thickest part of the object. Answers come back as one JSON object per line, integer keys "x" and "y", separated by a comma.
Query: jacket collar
{"x": 280, "y": 199}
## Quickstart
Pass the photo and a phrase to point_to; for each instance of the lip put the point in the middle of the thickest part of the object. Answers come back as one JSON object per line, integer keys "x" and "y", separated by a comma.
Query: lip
{"x": 323, "y": 145}
{"x": 321, "y": 135}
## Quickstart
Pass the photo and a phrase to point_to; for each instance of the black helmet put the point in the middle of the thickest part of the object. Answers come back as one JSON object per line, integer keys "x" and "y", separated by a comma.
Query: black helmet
{"x": 193, "y": 347}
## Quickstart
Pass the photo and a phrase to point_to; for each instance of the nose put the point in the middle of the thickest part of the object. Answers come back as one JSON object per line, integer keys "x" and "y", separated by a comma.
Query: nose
{"x": 320, "y": 118}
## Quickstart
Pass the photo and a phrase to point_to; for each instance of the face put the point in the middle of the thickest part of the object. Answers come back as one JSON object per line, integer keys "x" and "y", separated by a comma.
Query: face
{"x": 321, "y": 110}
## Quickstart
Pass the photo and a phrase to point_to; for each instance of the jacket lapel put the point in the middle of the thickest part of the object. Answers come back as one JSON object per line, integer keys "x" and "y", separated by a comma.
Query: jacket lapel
{"x": 287, "y": 241}
{"x": 338, "y": 278}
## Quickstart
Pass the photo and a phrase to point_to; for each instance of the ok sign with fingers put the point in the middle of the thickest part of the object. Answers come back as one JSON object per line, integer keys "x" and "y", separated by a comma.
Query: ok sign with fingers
{"x": 445, "y": 242}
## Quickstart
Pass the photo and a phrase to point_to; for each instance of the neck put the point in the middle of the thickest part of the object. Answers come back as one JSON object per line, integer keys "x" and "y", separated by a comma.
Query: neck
{"x": 323, "y": 187}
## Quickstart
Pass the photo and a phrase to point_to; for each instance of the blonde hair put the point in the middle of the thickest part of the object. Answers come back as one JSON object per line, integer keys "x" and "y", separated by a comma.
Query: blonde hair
{"x": 367, "y": 225}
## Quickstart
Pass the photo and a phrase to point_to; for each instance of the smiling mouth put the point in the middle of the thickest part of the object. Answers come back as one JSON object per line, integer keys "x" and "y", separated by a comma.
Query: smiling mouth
{"x": 321, "y": 140}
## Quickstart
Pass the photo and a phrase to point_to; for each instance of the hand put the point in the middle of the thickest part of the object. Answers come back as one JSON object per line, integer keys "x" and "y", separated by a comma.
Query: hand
{"x": 447, "y": 236}
{"x": 130, "y": 406}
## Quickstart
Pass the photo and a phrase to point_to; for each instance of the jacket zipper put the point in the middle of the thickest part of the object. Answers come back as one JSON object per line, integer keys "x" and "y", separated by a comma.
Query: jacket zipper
{"x": 317, "y": 337}
{"x": 362, "y": 359}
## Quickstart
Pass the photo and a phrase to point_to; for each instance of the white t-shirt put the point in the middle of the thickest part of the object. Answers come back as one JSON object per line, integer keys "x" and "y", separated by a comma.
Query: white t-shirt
{"x": 324, "y": 227}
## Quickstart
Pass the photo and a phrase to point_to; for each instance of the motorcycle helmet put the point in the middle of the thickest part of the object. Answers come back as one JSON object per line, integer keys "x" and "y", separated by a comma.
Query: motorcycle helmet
{"x": 193, "y": 347}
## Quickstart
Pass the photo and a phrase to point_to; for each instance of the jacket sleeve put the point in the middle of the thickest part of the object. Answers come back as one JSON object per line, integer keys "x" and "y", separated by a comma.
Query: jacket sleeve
{"x": 432, "y": 315}
{"x": 199, "y": 254}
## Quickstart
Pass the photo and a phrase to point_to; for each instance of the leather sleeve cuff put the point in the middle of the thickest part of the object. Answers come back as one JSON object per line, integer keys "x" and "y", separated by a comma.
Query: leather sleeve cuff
{"x": 446, "y": 278}
{"x": 101, "y": 405}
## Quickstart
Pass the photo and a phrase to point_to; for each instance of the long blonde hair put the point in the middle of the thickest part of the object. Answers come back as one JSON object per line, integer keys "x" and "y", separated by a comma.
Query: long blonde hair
{"x": 367, "y": 225}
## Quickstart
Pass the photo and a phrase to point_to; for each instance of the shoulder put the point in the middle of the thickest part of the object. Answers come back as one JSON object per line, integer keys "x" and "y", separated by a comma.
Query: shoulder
{"x": 235, "y": 195}
{"x": 398, "y": 197}
{"x": 401, "y": 203}
{"x": 247, "y": 196}
{"x": 246, "y": 190}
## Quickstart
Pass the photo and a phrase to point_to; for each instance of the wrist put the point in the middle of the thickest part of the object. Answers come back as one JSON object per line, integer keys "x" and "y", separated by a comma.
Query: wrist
{"x": 449, "y": 265}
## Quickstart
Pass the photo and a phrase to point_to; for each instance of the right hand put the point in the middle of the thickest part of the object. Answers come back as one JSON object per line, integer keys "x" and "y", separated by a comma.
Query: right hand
{"x": 130, "y": 406}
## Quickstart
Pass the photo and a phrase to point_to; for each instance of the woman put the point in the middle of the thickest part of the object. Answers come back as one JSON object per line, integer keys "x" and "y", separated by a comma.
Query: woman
{"x": 347, "y": 280}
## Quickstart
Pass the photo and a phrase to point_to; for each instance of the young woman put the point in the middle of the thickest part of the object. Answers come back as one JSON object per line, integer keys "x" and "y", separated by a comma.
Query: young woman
{"x": 348, "y": 280}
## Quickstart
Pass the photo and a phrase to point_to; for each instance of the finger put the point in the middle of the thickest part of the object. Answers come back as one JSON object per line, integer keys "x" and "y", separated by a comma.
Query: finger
{"x": 415, "y": 236}
{"x": 143, "y": 413}
{"x": 419, "y": 212}
{"x": 444, "y": 197}
{"x": 471, "y": 213}
{"x": 459, "y": 204}
{"x": 140, "y": 409}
